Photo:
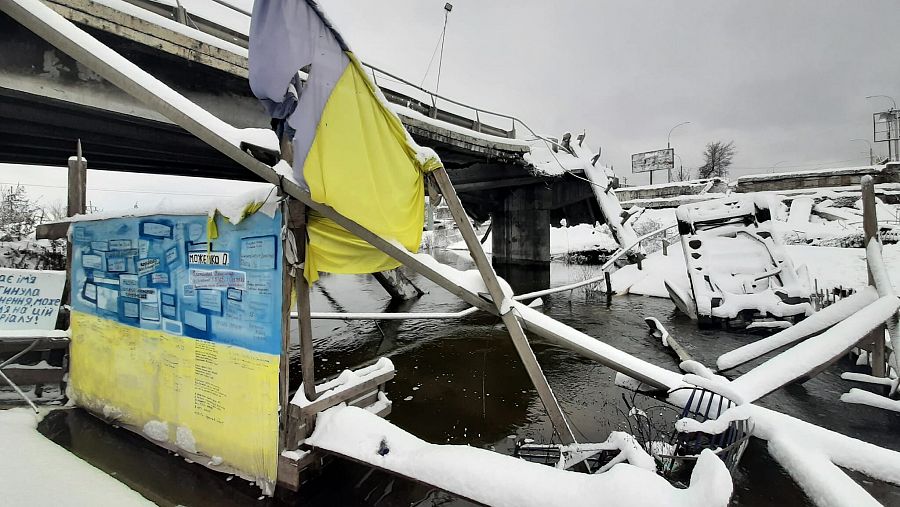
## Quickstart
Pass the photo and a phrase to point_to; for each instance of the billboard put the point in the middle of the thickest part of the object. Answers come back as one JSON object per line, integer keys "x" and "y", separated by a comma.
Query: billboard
{"x": 657, "y": 160}
{"x": 177, "y": 335}
{"x": 887, "y": 126}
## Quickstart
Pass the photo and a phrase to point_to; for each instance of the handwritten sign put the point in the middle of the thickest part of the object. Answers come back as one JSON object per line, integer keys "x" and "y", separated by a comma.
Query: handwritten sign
{"x": 258, "y": 252}
{"x": 218, "y": 279}
{"x": 211, "y": 258}
{"x": 30, "y": 299}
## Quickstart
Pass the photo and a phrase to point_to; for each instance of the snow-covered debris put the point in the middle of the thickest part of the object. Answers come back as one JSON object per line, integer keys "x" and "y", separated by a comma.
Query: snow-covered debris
{"x": 494, "y": 479}
{"x": 819, "y": 321}
{"x": 735, "y": 263}
{"x": 860, "y": 397}
{"x": 344, "y": 381}
{"x": 815, "y": 352}
{"x": 30, "y": 459}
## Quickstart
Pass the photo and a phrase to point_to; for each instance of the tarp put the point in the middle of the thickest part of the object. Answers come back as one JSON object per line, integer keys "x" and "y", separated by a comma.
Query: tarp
{"x": 350, "y": 150}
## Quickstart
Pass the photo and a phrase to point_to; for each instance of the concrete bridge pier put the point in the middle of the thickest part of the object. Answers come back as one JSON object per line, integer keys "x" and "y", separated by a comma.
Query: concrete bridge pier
{"x": 521, "y": 237}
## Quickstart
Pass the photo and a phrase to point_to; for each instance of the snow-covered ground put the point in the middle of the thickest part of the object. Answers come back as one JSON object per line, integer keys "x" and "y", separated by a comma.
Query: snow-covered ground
{"x": 29, "y": 460}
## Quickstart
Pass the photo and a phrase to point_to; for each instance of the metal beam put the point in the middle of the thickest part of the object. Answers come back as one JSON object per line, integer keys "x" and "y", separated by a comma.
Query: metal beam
{"x": 520, "y": 341}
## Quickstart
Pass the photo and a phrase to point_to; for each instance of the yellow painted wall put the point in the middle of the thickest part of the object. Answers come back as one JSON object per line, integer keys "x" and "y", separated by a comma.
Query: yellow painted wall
{"x": 226, "y": 396}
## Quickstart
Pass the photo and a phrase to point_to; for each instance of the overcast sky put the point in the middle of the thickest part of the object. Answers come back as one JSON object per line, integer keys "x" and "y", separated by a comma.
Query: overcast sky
{"x": 786, "y": 81}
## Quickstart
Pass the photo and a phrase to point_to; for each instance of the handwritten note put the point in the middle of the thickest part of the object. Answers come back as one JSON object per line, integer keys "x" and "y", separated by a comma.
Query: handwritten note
{"x": 30, "y": 299}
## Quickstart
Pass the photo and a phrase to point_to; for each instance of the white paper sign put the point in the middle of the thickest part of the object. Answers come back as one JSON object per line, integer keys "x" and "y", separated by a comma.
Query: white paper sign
{"x": 30, "y": 299}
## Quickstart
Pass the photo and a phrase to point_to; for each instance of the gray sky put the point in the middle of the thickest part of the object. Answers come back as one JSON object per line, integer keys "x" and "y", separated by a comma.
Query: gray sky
{"x": 785, "y": 80}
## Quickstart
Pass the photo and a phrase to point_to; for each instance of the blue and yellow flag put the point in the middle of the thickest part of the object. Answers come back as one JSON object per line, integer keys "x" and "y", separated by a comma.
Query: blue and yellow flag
{"x": 350, "y": 149}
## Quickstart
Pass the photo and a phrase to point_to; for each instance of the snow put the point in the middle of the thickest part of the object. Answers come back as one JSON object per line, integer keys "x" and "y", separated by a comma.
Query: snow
{"x": 717, "y": 385}
{"x": 157, "y": 430}
{"x": 814, "y": 352}
{"x": 470, "y": 280}
{"x": 229, "y": 207}
{"x": 717, "y": 425}
{"x": 29, "y": 459}
{"x": 820, "y": 479}
{"x": 860, "y": 397}
{"x": 800, "y": 211}
{"x": 830, "y": 266}
{"x": 819, "y": 321}
{"x": 869, "y": 379}
{"x": 184, "y": 439}
{"x": 168, "y": 24}
{"x": 504, "y": 143}
{"x": 344, "y": 381}
{"x": 35, "y": 333}
{"x": 494, "y": 479}
{"x": 841, "y": 171}
{"x": 650, "y": 281}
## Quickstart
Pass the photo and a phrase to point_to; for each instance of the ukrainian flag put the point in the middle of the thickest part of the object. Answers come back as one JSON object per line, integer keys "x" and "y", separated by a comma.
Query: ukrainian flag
{"x": 350, "y": 150}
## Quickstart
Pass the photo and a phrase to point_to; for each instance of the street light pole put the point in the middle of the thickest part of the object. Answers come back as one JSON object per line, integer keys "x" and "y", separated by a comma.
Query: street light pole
{"x": 669, "y": 145}
{"x": 871, "y": 152}
{"x": 447, "y": 8}
{"x": 776, "y": 165}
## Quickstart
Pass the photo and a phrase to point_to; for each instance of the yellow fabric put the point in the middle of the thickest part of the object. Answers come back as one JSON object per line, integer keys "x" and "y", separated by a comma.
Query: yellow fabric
{"x": 226, "y": 396}
{"x": 362, "y": 164}
{"x": 212, "y": 231}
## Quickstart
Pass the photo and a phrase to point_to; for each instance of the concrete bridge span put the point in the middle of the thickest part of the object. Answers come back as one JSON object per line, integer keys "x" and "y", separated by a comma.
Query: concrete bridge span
{"x": 47, "y": 101}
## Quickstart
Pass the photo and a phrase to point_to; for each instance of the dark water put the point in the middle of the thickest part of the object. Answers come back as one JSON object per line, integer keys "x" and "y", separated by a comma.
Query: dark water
{"x": 460, "y": 382}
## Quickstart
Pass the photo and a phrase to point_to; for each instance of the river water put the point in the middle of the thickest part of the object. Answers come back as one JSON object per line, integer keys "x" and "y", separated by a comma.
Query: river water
{"x": 460, "y": 382}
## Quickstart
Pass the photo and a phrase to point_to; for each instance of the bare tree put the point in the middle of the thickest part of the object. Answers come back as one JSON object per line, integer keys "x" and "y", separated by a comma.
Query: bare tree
{"x": 718, "y": 157}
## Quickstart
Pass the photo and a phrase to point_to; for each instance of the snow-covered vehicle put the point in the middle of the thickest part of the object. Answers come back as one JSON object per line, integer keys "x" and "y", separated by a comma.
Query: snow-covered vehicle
{"x": 738, "y": 270}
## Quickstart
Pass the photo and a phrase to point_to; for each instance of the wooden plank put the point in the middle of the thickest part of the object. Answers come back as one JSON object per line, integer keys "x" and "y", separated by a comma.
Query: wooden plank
{"x": 17, "y": 344}
{"x": 289, "y": 469}
{"x": 284, "y": 419}
{"x": 307, "y": 356}
{"x": 77, "y": 184}
{"x": 31, "y": 376}
{"x": 326, "y": 402}
{"x": 520, "y": 341}
{"x": 53, "y": 230}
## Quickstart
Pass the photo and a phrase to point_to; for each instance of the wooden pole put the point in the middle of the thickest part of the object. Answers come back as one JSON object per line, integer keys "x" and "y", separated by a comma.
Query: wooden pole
{"x": 297, "y": 227}
{"x": 520, "y": 341}
{"x": 77, "y": 197}
{"x": 77, "y": 183}
{"x": 284, "y": 381}
{"x": 870, "y": 230}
